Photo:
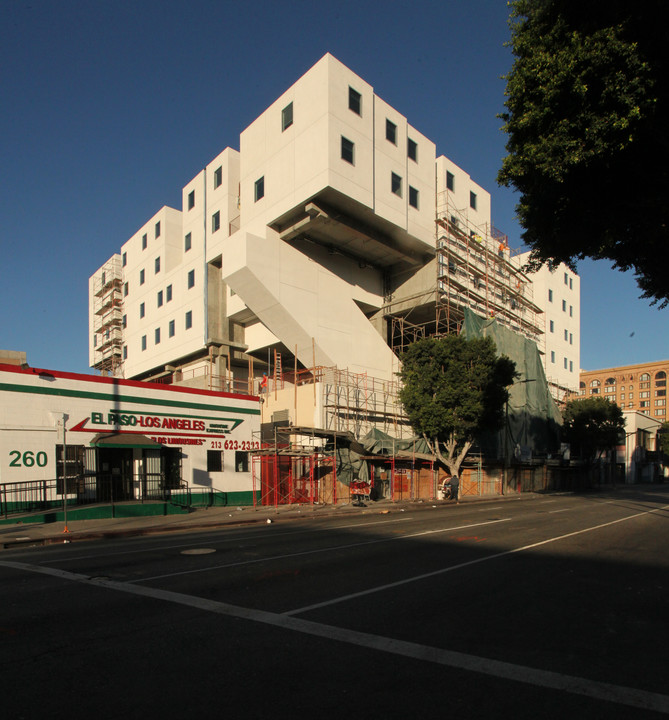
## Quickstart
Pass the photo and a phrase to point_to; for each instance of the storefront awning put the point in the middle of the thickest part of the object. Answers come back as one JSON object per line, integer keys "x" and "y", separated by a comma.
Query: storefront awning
{"x": 124, "y": 440}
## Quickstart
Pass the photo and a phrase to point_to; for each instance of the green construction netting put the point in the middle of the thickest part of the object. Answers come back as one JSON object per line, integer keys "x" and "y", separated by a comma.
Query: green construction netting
{"x": 534, "y": 420}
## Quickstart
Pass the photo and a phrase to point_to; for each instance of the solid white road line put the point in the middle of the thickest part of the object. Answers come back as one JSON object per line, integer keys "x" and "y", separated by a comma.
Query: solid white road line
{"x": 494, "y": 668}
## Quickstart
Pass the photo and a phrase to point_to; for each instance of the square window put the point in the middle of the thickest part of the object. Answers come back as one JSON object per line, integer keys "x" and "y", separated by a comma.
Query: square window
{"x": 472, "y": 200}
{"x": 355, "y": 101}
{"x": 125, "y": 259}
{"x": 145, "y": 241}
{"x": 142, "y": 310}
{"x": 191, "y": 199}
{"x": 214, "y": 461}
{"x": 168, "y": 293}
{"x": 259, "y": 189}
{"x": 141, "y": 277}
{"x": 143, "y": 342}
{"x": 412, "y": 150}
{"x": 157, "y": 335}
{"x": 216, "y": 221}
{"x": 396, "y": 184}
{"x": 391, "y": 132}
{"x": 347, "y": 148}
{"x": 158, "y": 229}
{"x": 450, "y": 181}
{"x": 287, "y": 117}
{"x": 189, "y": 320}
{"x": 218, "y": 177}
{"x": 160, "y": 298}
{"x": 187, "y": 242}
{"x": 171, "y": 328}
{"x": 191, "y": 279}
{"x": 156, "y": 265}
{"x": 413, "y": 197}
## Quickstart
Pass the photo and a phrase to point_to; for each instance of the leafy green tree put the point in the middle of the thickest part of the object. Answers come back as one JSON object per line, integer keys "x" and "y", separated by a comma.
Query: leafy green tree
{"x": 586, "y": 115}
{"x": 592, "y": 425}
{"x": 453, "y": 389}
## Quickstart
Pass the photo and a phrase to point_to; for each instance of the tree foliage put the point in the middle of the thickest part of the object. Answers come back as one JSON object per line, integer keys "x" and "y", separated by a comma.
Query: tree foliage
{"x": 586, "y": 113}
{"x": 452, "y": 390}
{"x": 592, "y": 425}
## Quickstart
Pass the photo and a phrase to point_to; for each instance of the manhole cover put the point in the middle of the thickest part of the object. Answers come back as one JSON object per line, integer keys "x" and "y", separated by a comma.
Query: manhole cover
{"x": 198, "y": 551}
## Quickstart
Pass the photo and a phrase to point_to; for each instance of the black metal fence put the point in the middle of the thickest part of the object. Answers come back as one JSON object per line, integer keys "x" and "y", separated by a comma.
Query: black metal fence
{"x": 89, "y": 489}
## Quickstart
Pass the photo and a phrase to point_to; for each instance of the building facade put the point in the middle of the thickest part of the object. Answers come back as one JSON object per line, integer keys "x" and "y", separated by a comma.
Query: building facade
{"x": 314, "y": 246}
{"x": 641, "y": 388}
{"x": 120, "y": 440}
{"x": 557, "y": 291}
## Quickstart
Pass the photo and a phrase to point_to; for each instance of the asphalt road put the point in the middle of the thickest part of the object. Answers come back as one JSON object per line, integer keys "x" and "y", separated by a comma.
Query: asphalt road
{"x": 544, "y": 606}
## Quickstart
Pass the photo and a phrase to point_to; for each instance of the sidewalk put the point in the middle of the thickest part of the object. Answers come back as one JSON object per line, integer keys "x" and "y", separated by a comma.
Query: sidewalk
{"x": 31, "y": 534}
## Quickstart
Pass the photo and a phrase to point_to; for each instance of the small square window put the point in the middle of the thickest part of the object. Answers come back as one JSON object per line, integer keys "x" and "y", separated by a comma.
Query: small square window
{"x": 158, "y": 229}
{"x": 450, "y": 181}
{"x": 191, "y": 199}
{"x": 347, "y": 148}
{"x": 141, "y": 277}
{"x": 143, "y": 342}
{"x": 355, "y": 101}
{"x": 171, "y": 329}
{"x": 391, "y": 132}
{"x": 160, "y": 298}
{"x": 168, "y": 293}
{"x": 187, "y": 242}
{"x": 216, "y": 221}
{"x": 259, "y": 190}
{"x": 472, "y": 200}
{"x": 145, "y": 241}
{"x": 412, "y": 150}
{"x": 287, "y": 117}
{"x": 413, "y": 197}
{"x": 157, "y": 336}
{"x": 125, "y": 259}
{"x": 191, "y": 279}
{"x": 396, "y": 184}
{"x": 189, "y": 320}
{"x": 156, "y": 265}
{"x": 142, "y": 310}
{"x": 214, "y": 460}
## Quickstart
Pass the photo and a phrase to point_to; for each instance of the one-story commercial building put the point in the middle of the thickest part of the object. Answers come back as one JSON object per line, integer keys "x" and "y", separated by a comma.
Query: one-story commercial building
{"x": 123, "y": 440}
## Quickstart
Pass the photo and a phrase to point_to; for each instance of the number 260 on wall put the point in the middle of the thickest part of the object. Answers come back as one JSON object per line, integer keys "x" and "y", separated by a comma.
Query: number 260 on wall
{"x": 28, "y": 458}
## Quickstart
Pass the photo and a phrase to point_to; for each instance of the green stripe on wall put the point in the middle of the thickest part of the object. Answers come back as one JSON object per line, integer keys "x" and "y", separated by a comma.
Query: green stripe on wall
{"x": 110, "y": 397}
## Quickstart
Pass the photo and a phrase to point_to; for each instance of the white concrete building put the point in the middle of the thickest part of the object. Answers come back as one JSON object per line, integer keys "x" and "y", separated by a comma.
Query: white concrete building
{"x": 304, "y": 247}
{"x": 557, "y": 291}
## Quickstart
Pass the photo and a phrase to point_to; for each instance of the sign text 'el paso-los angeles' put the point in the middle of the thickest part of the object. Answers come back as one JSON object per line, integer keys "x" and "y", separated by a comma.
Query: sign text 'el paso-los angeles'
{"x": 147, "y": 421}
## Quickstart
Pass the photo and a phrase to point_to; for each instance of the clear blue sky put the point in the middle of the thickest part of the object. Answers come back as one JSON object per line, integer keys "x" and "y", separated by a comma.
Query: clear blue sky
{"x": 110, "y": 107}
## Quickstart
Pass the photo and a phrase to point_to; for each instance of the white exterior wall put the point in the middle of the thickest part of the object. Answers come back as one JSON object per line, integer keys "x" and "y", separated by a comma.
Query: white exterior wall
{"x": 32, "y": 402}
{"x": 458, "y": 199}
{"x": 558, "y": 293}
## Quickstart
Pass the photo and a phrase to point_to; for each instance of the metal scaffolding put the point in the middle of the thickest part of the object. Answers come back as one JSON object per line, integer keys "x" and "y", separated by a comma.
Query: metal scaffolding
{"x": 108, "y": 317}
